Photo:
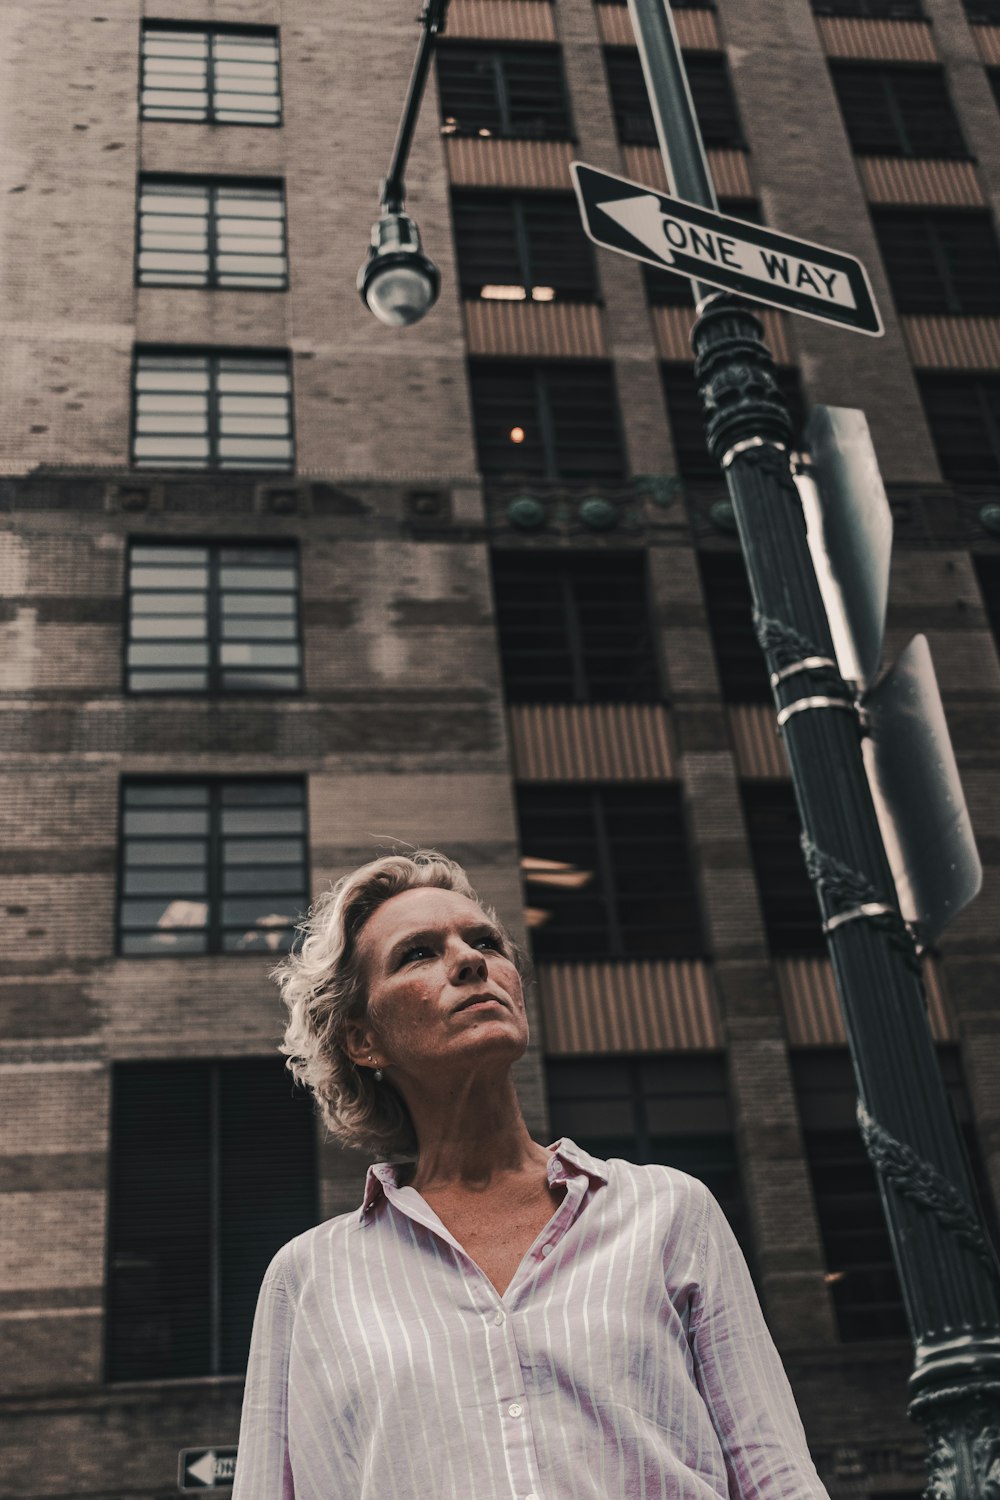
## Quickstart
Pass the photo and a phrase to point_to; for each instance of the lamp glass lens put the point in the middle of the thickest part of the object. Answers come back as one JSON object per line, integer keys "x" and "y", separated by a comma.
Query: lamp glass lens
{"x": 400, "y": 295}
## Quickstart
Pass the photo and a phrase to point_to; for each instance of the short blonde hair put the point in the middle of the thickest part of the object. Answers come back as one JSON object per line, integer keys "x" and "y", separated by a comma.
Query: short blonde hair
{"x": 322, "y": 985}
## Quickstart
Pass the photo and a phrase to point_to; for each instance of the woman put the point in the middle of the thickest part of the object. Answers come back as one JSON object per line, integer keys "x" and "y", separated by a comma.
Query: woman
{"x": 498, "y": 1320}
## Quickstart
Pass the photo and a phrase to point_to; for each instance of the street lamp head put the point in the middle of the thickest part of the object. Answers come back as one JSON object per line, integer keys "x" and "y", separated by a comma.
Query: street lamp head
{"x": 398, "y": 282}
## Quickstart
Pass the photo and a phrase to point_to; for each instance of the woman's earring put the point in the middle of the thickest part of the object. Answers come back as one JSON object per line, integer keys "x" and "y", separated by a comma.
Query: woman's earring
{"x": 378, "y": 1071}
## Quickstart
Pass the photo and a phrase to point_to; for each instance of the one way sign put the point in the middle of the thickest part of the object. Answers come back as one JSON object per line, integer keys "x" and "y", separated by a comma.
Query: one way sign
{"x": 727, "y": 253}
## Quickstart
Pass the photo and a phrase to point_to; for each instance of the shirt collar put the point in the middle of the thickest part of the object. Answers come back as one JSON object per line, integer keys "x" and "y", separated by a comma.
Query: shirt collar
{"x": 567, "y": 1160}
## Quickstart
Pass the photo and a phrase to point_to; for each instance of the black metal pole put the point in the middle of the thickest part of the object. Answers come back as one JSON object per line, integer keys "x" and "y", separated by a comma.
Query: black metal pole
{"x": 947, "y": 1268}
{"x": 432, "y": 19}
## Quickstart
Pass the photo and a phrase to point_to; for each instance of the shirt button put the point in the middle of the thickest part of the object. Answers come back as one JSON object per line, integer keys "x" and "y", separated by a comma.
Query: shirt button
{"x": 498, "y": 1317}
{"x": 515, "y": 1409}
{"x": 546, "y": 1249}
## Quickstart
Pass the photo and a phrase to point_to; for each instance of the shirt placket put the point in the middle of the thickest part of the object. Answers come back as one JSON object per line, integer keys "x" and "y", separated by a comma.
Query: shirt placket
{"x": 499, "y": 1320}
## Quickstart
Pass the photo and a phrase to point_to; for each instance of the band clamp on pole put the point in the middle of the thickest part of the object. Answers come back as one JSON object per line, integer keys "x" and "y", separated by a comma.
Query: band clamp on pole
{"x": 807, "y": 664}
{"x": 802, "y": 705}
{"x": 744, "y": 444}
{"x": 866, "y": 911}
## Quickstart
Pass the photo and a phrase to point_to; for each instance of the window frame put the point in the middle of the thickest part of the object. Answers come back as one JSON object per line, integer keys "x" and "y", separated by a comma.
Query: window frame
{"x": 212, "y": 182}
{"x": 213, "y": 354}
{"x": 495, "y": 51}
{"x": 735, "y": 140}
{"x": 309, "y": 1184}
{"x": 930, "y": 217}
{"x": 210, "y": 29}
{"x": 214, "y": 866}
{"x": 974, "y": 384}
{"x": 213, "y": 598}
{"x": 540, "y": 371}
{"x": 883, "y": 72}
{"x": 600, "y": 828}
{"x": 581, "y": 673}
{"x": 518, "y": 202}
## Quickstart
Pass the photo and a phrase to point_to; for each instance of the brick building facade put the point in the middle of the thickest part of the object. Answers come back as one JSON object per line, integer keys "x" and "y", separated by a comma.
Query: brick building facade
{"x": 281, "y": 586}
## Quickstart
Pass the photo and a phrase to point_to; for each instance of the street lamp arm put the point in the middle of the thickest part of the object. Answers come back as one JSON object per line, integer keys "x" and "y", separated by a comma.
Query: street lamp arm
{"x": 433, "y": 18}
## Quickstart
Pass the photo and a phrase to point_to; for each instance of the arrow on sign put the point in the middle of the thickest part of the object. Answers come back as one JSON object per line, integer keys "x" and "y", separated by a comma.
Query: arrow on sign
{"x": 203, "y": 1469}
{"x": 729, "y": 253}
{"x": 206, "y": 1468}
{"x": 643, "y": 218}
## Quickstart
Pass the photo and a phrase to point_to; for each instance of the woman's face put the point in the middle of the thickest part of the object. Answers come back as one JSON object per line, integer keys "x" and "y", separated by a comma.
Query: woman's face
{"x": 440, "y": 990}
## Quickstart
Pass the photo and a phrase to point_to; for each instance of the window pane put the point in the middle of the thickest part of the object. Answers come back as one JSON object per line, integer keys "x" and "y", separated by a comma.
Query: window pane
{"x": 246, "y": 871}
{"x": 207, "y": 73}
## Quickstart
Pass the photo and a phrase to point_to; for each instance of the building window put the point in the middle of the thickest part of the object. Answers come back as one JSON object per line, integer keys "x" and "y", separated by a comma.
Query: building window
{"x": 791, "y": 911}
{"x": 200, "y": 410}
{"x": 195, "y": 232}
{"x": 674, "y": 4}
{"x": 608, "y": 872}
{"x": 710, "y": 88}
{"x": 860, "y": 1268}
{"x": 672, "y": 1109}
{"x": 743, "y": 676}
{"x": 211, "y": 866}
{"x": 515, "y": 247}
{"x": 987, "y": 566}
{"x": 213, "y": 618}
{"x": 983, "y": 12}
{"x": 546, "y": 421}
{"x": 875, "y": 10}
{"x": 503, "y": 91}
{"x": 213, "y": 1169}
{"x": 667, "y": 288}
{"x": 993, "y": 76}
{"x": 940, "y": 262}
{"x": 687, "y": 422}
{"x": 963, "y": 412}
{"x": 225, "y": 75}
{"x": 575, "y": 627}
{"x": 897, "y": 111}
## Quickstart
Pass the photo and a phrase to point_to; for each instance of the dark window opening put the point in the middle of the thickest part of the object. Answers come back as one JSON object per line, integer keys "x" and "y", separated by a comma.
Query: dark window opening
{"x": 898, "y": 111}
{"x": 196, "y": 409}
{"x": 876, "y": 10}
{"x": 711, "y": 90}
{"x": 669, "y": 1109}
{"x": 983, "y": 12}
{"x": 213, "y": 618}
{"x": 963, "y": 412}
{"x": 224, "y": 75}
{"x": 213, "y": 1169}
{"x": 518, "y": 247}
{"x": 987, "y": 566}
{"x": 546, "y": 421}
{"x": 575, "y": 627}
{"x": 608, "y": 872}
{"x": 216, "y": 233}
{"x": 791, "y": 911}
{"x": 211, "y": 866}
{"x": 940, "y": 262}
{"x": 740, "y": 662}
{"x": 503, "y": 91}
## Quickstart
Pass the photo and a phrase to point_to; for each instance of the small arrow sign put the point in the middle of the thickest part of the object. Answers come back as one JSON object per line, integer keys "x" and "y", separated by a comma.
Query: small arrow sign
{"x": 206, "y": 1468}
{"x": 729, "y": 253}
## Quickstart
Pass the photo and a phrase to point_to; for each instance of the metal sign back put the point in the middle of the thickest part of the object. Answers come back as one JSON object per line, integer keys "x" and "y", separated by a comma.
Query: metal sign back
{"x": 850, "y": 534}
{"x": 728, "y": 253}
{"x": 918, "y": 795}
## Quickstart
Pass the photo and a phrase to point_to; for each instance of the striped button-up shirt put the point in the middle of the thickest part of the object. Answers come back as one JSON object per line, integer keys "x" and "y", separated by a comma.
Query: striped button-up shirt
{"x": 627, "y": 1358}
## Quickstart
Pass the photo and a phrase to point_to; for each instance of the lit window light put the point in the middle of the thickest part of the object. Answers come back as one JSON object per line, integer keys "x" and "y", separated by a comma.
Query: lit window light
{"x": 534, "y": 916}
{"x": 555, "y": 872}
{"x": 484, "y": 131}
{"x": 832, "y": 1276}
{"x": 503, "y": 293}
{"x": 543, "y": 294}
{"x": 517, "y": 434}
{"x": 449, "y": 127}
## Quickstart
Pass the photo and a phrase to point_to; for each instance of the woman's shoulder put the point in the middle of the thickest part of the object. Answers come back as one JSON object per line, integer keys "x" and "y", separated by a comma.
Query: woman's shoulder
{"x": 301, "y": 1258}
